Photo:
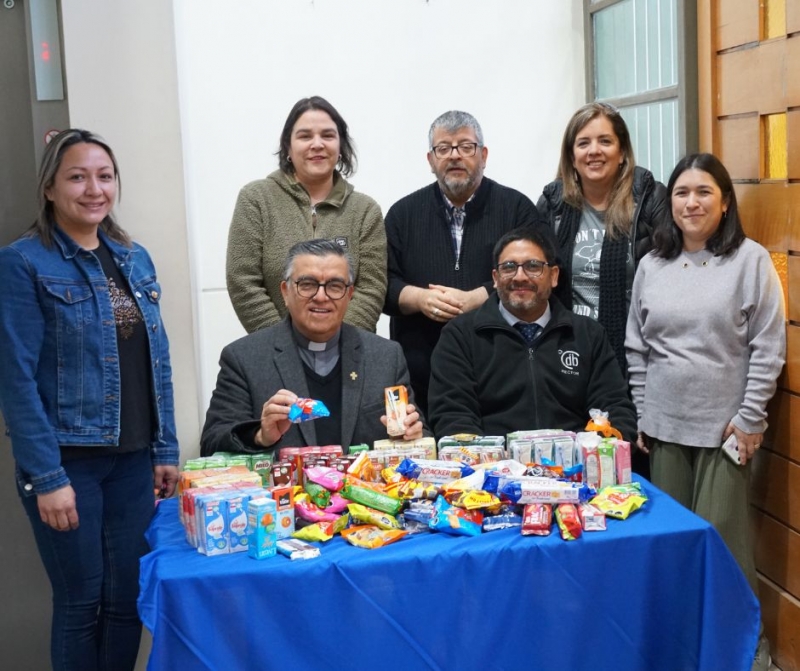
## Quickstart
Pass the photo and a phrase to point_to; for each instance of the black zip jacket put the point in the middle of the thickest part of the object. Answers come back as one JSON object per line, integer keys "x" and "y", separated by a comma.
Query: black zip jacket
{"x": 485, "y": 380}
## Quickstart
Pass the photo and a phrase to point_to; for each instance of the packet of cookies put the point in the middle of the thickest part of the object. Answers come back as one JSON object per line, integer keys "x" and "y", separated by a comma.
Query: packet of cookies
{"x": 396, "y": 399}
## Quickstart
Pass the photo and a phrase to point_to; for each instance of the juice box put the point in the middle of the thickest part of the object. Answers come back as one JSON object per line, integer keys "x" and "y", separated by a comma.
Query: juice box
{"x": 284, "y": 511}
{"x": 261, "y": 518}
{"x": 396, "y": 400}
{"x": 212, "y": 524}
{"x": 622, "y": 462}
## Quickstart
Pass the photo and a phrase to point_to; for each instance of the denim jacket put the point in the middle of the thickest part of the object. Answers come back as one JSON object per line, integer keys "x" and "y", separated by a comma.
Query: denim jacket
{"x": 59, "y": 373}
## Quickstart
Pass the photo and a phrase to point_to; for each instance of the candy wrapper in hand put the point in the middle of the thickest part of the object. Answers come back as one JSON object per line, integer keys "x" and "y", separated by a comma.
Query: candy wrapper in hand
{"x": 599, "y": 422}
{"x": 305, "y": 409}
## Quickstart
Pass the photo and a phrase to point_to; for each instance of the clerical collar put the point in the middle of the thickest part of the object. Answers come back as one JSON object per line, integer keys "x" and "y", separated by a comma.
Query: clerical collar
{"x": 306, "y": 344}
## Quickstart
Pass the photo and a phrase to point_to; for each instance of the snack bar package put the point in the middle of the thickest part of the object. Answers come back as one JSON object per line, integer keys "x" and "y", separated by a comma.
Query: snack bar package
{"x": 592, "y": 518}
{"x": 457, "y": 521}
{"x": 396, "y": 400}
{"x": 544, "y": 490}
{"x": 568, "y": 522}
{"x": 297, "y": 549}
{"x": 306, "y": 409}
{"x": 434, "y": 471}
{"x": 537, "y": 519}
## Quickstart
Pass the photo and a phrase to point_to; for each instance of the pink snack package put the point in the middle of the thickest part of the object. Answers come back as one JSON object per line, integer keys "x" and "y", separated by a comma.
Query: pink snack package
{"x": 330, "y": 478}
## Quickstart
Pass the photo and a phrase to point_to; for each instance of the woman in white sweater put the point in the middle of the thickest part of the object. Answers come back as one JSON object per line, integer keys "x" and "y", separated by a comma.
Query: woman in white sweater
{"x": 705, "y": 344}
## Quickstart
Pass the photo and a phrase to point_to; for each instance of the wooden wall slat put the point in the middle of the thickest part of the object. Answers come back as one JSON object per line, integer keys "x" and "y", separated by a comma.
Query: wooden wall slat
{"x": 780, "y": 613}
{"x": 737, "y": 23}
{"x": 793, "y": 297}
{"x": 784, "y": 425}
{"x": 791, "y": 372}
{"x": 792, "y": 16}
{"x": 793, "y": 142}
{"x": 792, "y": 79}
{"x": 751, "y": 80}
{"x": 736, "y": 137}
{"x": 777, "y": 552}
{"x": 776, "y": 487}
{"x": 771, "y": 214}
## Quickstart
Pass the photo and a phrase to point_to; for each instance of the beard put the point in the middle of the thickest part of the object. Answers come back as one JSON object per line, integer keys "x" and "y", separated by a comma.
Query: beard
{"x": 461, "y": 187}
{"x": 518, "y": 305}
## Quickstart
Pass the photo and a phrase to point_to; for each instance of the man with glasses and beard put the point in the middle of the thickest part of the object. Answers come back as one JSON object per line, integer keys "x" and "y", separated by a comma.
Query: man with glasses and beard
{"x": 440, "y": 240}
{"x": 522, "y": 360}
{"x": 310, "y": 354}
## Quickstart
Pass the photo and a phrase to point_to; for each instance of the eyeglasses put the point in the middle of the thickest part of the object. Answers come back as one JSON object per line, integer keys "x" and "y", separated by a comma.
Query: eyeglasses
{"x": 334, "y": 289}
{"x": 532, "y": 268}
{"x": 463, "y": 149}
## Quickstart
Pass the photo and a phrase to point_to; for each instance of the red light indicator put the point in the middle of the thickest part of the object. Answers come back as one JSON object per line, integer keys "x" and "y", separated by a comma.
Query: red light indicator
{"x": 45, "y": 51}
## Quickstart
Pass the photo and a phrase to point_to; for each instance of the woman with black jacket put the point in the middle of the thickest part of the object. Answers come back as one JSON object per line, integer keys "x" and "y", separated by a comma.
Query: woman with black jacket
{"x": 603, "y": 209}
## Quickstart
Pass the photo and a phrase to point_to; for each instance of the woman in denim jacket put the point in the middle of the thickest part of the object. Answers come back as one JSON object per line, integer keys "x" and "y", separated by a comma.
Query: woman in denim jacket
{"x": 86, "y": 393}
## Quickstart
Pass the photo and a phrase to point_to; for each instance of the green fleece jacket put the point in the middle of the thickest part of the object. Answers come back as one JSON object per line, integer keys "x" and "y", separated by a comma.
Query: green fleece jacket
{"x": 273, "y": 214}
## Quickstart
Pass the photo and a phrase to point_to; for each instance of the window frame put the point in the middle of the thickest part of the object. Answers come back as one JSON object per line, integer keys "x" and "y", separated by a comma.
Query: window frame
{"x": 685, "y": 92}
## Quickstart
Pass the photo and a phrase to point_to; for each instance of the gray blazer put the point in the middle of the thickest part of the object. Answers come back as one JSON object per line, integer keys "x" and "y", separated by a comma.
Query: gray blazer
{"x": 253, "y": 368}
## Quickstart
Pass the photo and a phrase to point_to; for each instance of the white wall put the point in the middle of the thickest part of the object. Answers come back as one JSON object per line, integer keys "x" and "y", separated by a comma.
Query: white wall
{"x": 389, "y": 67}
{"x": 122, "y": 83}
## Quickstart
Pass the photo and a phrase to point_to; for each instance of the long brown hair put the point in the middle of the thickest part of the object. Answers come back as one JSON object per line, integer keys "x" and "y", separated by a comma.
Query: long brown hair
{"x": 44, "y": 224}
{"x": 619, "y": 214}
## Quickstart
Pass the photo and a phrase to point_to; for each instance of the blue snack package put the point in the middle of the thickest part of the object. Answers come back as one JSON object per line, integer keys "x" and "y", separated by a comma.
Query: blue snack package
{"x": 457, "y": 521}
{"x": 305, "y": 409}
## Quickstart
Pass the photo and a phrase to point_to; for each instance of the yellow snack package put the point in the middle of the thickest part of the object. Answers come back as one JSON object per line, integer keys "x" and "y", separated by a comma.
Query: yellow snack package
{"x": 370, "y": 537}
{"x": 367, "y": 515}
{"x": 619, "y": 501}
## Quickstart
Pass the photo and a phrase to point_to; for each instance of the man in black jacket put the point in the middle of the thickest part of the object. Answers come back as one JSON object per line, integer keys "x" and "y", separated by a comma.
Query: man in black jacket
{"x": 440, "y": 240}
{"x": 522, "y": 360}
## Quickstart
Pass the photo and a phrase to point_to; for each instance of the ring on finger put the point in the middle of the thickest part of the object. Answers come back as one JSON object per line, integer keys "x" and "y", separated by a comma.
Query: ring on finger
{"x": 435, "y": 312}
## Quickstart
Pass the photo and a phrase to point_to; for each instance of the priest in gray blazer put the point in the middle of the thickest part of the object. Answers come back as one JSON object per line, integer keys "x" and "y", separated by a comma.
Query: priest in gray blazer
{"x": 312, "y": 353}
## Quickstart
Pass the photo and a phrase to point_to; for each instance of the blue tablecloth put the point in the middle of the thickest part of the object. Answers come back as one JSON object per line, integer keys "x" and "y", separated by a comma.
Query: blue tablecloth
{"x": 657, "y": 591}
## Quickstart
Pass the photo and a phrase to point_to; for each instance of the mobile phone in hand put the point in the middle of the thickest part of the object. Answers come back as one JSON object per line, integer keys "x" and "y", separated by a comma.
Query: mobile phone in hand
{"x": 730, "y": 449}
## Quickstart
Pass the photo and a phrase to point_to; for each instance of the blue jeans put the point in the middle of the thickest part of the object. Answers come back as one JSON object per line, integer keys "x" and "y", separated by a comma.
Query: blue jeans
{"x": 94, "y": 570}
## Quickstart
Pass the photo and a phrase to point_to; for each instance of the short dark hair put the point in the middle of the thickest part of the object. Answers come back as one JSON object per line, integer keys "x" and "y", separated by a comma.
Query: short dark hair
{"x": 319, "y": 248}
{"x": 347, "y": 158}
{"x": 53, "y": 155}
{"x": 539, "y": 235}
{"x": 668, "y": 238}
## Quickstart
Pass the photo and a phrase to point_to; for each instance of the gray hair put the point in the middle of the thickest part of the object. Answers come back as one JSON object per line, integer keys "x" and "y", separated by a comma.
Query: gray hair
{"x": 317, "y": 248}
{"x": 453, "y": 120}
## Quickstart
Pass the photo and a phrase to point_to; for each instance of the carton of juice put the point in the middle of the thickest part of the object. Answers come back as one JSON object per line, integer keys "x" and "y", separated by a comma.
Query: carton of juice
{"x": 237, "y": 521}
{"x": 605, "y": 454}
{"x": 396, "y": 400}
{"x": 212, "y": 524}
{"x": 284, "y": 511}
{"x": 261, "y": 518}
{"x": 622, "y": 461}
